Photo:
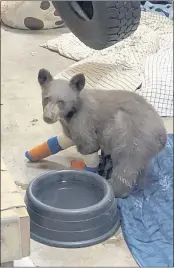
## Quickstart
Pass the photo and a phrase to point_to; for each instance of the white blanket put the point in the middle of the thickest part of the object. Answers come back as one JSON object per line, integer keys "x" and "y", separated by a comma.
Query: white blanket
{"x": 143, "y": 58}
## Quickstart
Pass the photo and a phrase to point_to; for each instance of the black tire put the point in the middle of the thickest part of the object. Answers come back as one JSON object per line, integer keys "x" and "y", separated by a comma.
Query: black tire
{"x": 100, "y": 24}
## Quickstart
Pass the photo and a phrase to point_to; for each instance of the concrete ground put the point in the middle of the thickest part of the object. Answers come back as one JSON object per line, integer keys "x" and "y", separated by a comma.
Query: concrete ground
{"x": 23, "y": 128}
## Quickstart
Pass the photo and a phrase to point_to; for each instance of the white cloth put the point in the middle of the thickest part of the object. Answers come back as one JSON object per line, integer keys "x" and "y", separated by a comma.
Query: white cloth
{"x": 157, "y": 86}
{"x": 124, "y": 65}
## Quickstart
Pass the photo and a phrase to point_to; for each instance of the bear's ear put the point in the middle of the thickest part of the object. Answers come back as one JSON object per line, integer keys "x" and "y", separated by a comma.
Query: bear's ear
{"x": 77, "y": 82}
{"x": 44, "y": 77}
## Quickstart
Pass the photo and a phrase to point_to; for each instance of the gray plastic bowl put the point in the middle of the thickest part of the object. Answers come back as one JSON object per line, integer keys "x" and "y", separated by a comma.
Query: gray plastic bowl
{"x": 71, "y": 209}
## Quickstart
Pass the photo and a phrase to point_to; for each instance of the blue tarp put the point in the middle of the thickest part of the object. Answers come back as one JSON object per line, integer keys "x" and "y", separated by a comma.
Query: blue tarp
{"x": 147, "y": 215}
{"x": 164, "y": 8}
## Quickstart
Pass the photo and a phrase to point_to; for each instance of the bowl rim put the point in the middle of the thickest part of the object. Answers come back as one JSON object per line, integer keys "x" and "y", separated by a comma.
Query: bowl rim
{"x": 107, "y": 199}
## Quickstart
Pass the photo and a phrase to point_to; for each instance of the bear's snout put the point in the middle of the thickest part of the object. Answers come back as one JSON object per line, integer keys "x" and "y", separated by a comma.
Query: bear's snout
{"x": 48, "y": 120}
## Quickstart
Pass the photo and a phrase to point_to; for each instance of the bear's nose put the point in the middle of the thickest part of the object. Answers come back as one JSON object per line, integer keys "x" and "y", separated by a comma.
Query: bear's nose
{"x": 48, "y": 120}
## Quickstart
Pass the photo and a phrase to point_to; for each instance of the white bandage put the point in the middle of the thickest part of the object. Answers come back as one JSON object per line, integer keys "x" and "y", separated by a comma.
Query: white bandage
{"x": 64, "y": 141}
{"x": 91, "y": 160}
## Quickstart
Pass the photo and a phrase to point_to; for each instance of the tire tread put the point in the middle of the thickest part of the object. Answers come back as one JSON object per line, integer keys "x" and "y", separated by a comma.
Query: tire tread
{"x": 113, "y": 21}
{"x": 115, "y": 27}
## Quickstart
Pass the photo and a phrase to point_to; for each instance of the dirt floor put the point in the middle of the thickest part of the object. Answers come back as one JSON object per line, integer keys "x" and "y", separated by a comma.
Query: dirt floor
{"x": 23, "y": 128}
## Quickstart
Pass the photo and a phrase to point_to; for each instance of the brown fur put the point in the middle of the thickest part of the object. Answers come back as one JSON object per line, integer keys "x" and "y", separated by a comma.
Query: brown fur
{"x": 121, "y": 123}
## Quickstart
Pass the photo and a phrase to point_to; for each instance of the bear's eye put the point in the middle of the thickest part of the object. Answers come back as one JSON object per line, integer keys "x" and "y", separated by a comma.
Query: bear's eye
{"x": 46, "y": 101}
{"x": 61, "y": 103}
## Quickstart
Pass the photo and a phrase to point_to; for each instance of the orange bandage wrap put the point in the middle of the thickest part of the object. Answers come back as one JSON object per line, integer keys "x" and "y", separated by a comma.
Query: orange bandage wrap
{"x": 51, "y": 146}
{"x": 77, "y": 164}
{"x": 39, "y": 152}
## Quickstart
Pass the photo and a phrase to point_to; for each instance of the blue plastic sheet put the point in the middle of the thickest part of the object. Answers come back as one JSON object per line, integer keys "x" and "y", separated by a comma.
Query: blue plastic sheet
{"x": 147, "y": 215}
{"x": 164, "y": 8}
